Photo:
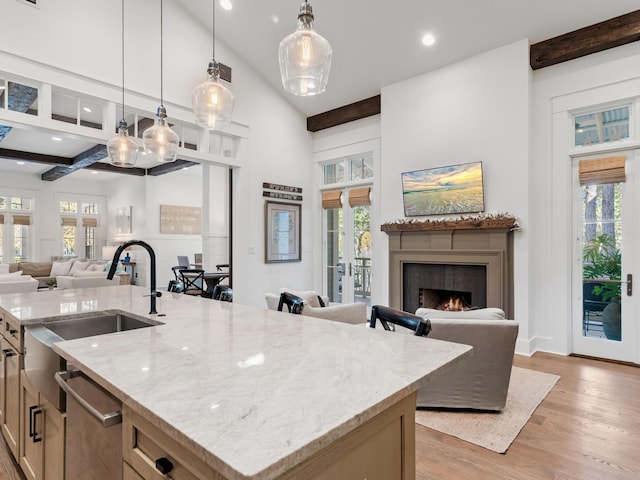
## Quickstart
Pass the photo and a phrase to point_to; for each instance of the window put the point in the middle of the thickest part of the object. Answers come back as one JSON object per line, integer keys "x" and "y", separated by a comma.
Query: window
{"x": 15, "y": 228}
{"x": 79, "y": 220}
{"x": 19, "y": 97}
{"x": 360, "y": 167}
{"x": 601, "y": 127}
{"x": 78, "y": 111}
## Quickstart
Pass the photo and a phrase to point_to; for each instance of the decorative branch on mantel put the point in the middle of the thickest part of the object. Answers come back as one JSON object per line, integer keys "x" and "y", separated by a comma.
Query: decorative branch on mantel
{"x": 476, "y": 222}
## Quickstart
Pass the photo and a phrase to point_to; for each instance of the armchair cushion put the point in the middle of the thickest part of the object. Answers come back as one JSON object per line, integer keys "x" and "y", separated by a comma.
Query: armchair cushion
{"x": 60, "y": 268}
{"x": 309, "y": 297}
{"x": 354, "y": 313}
{"x": 478, "y": 314}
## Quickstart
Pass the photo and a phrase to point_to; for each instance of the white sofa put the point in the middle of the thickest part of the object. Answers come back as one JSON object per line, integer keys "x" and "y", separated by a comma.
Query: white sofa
{"x": 17, "y": 283}
{"x": 354, "y": 313}
{"x": 87, "y": 280}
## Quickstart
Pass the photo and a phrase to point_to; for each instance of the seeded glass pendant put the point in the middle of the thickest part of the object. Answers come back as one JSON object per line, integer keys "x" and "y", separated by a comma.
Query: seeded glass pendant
{"x": 305, "y": 57}
{"x": 160, "y": 142}
{"x": 122, "y": 150}
{"x": 212, "y": 101}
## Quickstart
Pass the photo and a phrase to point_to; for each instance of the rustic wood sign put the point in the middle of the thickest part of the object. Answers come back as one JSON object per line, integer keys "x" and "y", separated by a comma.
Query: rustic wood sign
{"x": 282, "y": 196}
{"x": 282, "y": 192}
{"x": 282, "y": 188}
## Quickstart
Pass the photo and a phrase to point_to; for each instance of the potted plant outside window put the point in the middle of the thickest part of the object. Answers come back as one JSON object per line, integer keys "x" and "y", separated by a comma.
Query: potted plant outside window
{"x": 602, "y": 260}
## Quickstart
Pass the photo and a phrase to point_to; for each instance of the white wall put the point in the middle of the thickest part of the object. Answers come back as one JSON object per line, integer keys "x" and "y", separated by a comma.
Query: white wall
{"x": 590, "y": 78}
{"x": 474, "y": 110}
{"x": 278, "y": 148}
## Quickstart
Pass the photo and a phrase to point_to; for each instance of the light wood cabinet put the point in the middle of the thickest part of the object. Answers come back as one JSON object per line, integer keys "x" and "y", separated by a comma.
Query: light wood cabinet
{"x": 381, "y": 449}
{"x": 42, "y": 430}
{"x": 13, "y": 364}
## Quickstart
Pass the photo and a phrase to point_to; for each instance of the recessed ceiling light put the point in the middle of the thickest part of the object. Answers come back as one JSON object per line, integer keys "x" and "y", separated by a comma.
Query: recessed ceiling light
{"x": 94, "y": 172}
{"x": 56, "y": 139}
{"x": 87, "y": 109}
{"x": 20, "y": 163}
{"x": 226, "y": 4}
{"x": 275, "y": 18}
{"x": 428, "y": 40}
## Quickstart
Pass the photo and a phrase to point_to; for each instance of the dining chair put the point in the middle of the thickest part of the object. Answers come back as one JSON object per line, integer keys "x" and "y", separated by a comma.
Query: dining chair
{"x": 419, "y": 325}
{"x": 193, "y": 280}
{"x": 294, "y": 303}
{"x": 222, "y": 293}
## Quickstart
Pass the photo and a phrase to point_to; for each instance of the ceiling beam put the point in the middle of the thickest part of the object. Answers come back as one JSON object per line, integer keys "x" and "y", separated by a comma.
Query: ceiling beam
{"x": 34, "y": 157}
{"x": 585, "y": 41}
{"x": 82, "y": 160}
{"x": 107, "y": 167}
{"x": 170, "y": 167}
{"x": 348, "y": 113}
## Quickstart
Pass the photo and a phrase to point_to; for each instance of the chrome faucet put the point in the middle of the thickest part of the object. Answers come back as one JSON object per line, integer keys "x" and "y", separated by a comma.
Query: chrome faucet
{"x": 152, "y": 255}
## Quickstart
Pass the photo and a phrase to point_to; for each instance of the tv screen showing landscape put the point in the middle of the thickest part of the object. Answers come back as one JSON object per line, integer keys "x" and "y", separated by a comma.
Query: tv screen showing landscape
{"x": 443, "y": 190}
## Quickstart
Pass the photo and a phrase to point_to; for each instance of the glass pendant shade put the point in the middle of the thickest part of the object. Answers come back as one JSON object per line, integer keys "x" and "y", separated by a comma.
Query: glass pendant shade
{"x": 212, "y": 101}
{"x": 305, "y": 58}
{"x": 159, "y": 141}
{"x": 122, "y": 149}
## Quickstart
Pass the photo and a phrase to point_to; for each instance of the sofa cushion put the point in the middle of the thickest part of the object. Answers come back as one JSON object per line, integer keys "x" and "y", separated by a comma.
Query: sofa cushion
{"x": 309, "y": 297}
{"x": 89, "y": 274}
{"x": 95, "y": 267}
{"x": 4, "y": 268}
{"x": 14, "y": 277}
{"x": 10, "y": 276}
{"x": 60, "y": 268}
{"x": 35, "y": 269}
{"x": 78, "y": 267}
{"x": 477, "y": 314}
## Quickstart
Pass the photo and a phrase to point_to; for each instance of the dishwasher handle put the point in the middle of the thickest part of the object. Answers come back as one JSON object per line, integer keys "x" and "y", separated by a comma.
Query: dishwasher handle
{"x": 107, "y": 419}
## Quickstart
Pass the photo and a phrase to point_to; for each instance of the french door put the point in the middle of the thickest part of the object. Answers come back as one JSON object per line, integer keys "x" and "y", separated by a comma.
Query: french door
{"x": 605, "y": 306}
{"x": 347, "y": 245}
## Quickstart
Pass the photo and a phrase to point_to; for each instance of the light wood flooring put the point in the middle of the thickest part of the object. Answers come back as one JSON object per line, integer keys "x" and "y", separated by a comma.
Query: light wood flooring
{"x": 587, "y": 428}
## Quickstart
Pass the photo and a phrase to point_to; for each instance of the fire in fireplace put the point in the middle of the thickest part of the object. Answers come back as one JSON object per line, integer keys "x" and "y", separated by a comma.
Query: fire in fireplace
{"x": 450, "y": 300}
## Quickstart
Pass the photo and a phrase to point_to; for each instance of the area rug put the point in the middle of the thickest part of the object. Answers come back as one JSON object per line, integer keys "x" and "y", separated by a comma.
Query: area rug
{"x": 495, "y": 431}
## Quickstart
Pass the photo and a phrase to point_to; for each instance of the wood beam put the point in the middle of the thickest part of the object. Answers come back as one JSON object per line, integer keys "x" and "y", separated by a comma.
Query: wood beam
{"x": 34, "y": 157}
{"x": 170, "y": 167}
{"x": 585, "y": 41}
{"x": 348, "y": 113}
{"x": 107, "y": 167}
{"x": 82, "y": 160}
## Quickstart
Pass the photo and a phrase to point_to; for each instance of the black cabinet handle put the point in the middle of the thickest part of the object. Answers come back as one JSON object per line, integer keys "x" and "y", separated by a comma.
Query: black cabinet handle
{"x": 35, "y": 427}
{"x": 31, "y": 409}
{"x": 164, "y": 465}
{"x": 8, "y": 352}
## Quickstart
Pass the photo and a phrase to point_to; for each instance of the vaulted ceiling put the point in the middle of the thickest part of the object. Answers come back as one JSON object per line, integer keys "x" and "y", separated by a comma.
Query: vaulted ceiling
{"x": 374, "y": 44}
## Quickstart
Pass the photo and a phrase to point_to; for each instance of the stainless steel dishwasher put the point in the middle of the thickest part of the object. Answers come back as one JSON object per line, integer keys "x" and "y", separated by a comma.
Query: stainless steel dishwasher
{"x": 94, "y": 429}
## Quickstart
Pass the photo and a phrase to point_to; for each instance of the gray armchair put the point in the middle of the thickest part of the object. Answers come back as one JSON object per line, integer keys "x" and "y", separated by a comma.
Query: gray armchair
{"x": 480, "y": 381}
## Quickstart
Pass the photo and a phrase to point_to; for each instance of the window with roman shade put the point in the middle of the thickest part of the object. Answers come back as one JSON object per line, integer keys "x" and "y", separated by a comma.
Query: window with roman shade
{"x": 602, "y": 170}
{"x": 331, "y": 199}
{"x": 360, "y": 197}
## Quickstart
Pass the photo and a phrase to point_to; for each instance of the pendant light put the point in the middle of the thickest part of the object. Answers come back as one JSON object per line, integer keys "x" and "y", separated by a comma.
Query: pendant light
{"x": 122, "y": 149}
{"x": 212, "y": 101}
{"x": 305, "y": 57}
{"x": 159, "y": 141}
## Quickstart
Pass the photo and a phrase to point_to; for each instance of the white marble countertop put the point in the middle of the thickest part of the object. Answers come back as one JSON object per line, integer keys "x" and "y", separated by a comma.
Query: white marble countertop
{"x": 251, "y": 391}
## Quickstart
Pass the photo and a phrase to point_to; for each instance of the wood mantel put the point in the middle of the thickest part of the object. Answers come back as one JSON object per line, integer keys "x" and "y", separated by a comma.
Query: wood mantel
{"x": 469, "y": 223}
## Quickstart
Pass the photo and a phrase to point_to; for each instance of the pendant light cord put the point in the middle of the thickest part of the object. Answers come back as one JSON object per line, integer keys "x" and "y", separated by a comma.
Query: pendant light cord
{"x": 122, "y": 60}
{"x": 161, "y": 58}
{"x": 213, "y": 29}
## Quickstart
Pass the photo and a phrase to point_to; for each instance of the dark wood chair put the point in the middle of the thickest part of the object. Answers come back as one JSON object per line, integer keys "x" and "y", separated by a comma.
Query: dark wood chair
{"x": 222, "y": 293}
{"x": 294, "y": 303}
{"x": 420, "y": 326}
{"x": 193, "y": 280}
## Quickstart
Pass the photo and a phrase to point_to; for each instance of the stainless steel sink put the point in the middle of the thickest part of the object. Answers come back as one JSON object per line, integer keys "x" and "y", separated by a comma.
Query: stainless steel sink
{"x": 41, "y": 362}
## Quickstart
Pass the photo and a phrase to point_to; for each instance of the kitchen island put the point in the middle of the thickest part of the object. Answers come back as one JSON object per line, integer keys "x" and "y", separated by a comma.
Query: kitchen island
{"x": 251, "y": 393}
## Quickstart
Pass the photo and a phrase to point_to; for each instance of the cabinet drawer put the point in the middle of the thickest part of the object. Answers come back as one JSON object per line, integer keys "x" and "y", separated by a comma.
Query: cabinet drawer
{"x": 145, "y": 444}
{"x": 12, "y": 332}
{"x": 129, "y": 473}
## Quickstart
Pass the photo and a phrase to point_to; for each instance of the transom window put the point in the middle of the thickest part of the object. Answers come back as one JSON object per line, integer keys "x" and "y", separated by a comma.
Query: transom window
{"x": 359, "y": 167}
{"x": 604, "y": 126}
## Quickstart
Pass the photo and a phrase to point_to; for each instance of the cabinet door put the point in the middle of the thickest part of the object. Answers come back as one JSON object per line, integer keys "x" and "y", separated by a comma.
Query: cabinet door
{"x": 54, "y": 441}
{"x": 11, "y": 426}
{"x": 31, "y": 431}
{"x": 2, "y": 388}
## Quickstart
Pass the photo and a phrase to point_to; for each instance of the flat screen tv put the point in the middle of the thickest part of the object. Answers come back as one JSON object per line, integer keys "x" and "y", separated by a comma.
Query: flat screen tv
{"x": 443, "y": 190}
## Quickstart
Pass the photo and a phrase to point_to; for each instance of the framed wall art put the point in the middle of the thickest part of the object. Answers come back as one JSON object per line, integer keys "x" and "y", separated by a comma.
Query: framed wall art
{"x": 443, "y": 190}
{"x": 282, "y": 232}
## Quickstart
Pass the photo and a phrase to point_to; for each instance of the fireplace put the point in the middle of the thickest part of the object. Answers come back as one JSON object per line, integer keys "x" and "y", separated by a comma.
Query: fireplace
{"x": 427, "y": 263}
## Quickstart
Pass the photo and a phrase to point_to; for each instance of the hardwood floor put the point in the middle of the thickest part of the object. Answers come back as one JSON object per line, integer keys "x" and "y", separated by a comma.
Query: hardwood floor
{"x": 587, "y": 428}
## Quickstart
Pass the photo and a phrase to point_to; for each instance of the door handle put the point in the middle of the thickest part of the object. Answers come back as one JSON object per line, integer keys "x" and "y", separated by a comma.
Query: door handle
{"x": 35, "y": 426}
